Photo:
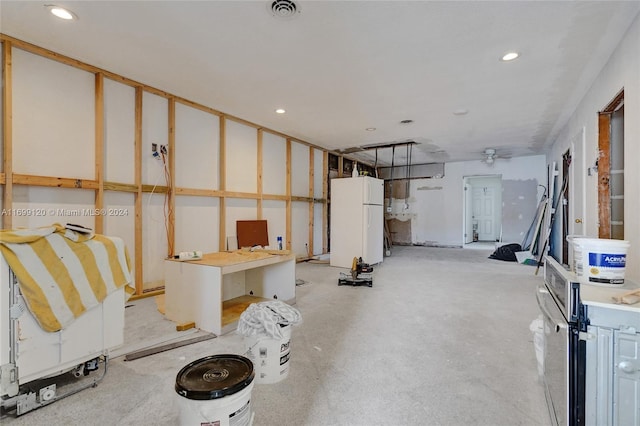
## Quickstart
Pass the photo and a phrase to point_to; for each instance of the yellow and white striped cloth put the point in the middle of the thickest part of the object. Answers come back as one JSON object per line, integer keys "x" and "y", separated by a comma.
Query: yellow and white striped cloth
{"x": 63, "y": 273}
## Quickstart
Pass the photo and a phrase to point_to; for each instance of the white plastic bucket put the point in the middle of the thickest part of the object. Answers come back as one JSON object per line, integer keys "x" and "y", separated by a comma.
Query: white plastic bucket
{"x": 216, "y": 390}
{"x": 270, "y": 356}
{"x": 576, "y": 254}
{"x": 600, "y": 261}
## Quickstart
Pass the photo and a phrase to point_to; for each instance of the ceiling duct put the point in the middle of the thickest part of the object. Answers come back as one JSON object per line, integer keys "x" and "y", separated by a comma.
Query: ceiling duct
{"x": 284, "y": 9}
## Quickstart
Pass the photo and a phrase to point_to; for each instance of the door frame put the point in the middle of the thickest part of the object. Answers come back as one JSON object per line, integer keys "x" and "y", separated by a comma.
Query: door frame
{"x": 467, "y": 200}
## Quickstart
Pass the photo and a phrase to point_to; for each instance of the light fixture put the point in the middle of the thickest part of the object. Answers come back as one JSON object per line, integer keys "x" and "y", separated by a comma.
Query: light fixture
{"x": 61, "y": 12}
{"x": 491, "y": 155}
{"x": 510, "y": 56}
{"x": 280, "y": 111}
{"x": 461, "y": 111}
{"x": 370, "y": 129}
{"x": 406, "y": 122}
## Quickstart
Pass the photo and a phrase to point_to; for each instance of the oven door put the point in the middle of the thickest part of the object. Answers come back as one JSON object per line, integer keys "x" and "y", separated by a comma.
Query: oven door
{"x": 556, "y": 357}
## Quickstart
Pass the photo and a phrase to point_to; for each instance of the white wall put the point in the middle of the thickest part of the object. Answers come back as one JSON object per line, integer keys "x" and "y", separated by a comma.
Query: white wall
{"x": 436, "y": 206}
{"x": 621, "y": 71}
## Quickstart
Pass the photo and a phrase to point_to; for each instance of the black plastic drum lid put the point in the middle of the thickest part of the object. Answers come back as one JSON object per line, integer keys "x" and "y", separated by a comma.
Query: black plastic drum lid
{"x": 215, "y": 376}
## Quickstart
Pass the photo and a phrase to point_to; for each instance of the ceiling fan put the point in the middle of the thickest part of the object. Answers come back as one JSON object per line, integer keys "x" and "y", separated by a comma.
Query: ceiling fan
{"x": 490, "y": 156}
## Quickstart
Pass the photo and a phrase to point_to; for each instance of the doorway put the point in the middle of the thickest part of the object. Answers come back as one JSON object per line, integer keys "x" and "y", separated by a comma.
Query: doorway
{"x": 611, "y": 169}
{"x": 483, "y": 209}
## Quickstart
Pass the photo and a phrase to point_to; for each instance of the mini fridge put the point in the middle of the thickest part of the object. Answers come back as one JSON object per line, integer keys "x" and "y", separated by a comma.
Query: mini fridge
{"x": 357, "y": 220}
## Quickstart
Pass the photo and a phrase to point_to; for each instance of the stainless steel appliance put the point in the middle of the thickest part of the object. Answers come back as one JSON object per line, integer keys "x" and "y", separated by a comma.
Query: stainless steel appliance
{"x": 565, "y": 322}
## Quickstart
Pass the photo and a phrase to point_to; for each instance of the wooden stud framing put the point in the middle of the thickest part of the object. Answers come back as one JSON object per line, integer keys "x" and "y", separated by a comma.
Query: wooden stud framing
{"x": 259, "y": 173}
{"x": 222, "y": 237}
{"x": 99, "y": 185}
{"x": 7, "y": 131}
{"x": 604, "y": 173}
{"x": 311, "y": 204}
{"x": 139, "y": 284}
{"x": 288, "y": 193}
{"x": 99, "y": 150}
{"x": 171, "y": 201}
{"x": 340, "y": 165}
{"x": 325, "y": 207}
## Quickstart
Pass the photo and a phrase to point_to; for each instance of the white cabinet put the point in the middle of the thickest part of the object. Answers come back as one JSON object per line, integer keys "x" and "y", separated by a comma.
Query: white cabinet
{"x": 214, "y": 291}
{"x": 613, "y": 367}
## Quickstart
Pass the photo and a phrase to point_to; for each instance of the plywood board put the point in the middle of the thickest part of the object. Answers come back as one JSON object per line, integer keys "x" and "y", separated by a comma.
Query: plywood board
{"x": 155, "y": 125}
{"x": 252, "y": 233}
{"x": 232, "y": 309}
{"x": 119, "y": 129}
{"x": 299, "y": 170}
{"x": 241, "y": 157}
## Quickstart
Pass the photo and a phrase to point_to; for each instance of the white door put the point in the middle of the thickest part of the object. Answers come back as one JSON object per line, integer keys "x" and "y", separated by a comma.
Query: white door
{"x": 484, "y": 200}
{"x": 468, "y": 213}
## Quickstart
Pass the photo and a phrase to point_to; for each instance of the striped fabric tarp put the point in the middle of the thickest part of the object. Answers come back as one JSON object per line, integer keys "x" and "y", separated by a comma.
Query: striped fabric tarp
{"x": 63, "y": 273}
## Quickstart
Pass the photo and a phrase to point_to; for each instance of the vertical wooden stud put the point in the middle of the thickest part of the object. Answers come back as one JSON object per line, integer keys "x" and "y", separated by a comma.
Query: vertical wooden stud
{"x": 222, "y": 241}
{"x": 260, "y": 168}
{"x": 340, "y": 165}
{"x": 138, "y": 200}
{"x": 99, "y": 150}
{"x": 7, "y": 113}
{"x": 325, "y": 206}
{"x": 288, "y": 194}
{"x": 311, "y": 203}
{"x": 604, "y": 175}
{"x": 171, "y": 195}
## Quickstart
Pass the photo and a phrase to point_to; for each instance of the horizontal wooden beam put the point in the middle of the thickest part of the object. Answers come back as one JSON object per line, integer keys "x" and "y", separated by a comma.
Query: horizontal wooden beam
{"x": 2, "y": 182}
{"x": 122, "y": 187}
{"x": 50, "y": 181}
{"x": 199, "y": 192}
{"x": 155, "y": 188}
{"x": 274, "y": 197}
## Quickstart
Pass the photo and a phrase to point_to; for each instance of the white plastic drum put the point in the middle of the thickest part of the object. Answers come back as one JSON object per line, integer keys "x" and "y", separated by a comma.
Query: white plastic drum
{"x": 216, "y": 390}
{"x": 270, "y": 356}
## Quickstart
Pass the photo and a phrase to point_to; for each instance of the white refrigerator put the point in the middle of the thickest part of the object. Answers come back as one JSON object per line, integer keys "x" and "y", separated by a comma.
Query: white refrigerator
{"x": 356, "y": 221}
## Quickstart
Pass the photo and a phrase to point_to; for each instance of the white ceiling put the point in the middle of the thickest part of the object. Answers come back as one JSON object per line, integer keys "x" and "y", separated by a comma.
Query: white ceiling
{"x": 338, "y": 67}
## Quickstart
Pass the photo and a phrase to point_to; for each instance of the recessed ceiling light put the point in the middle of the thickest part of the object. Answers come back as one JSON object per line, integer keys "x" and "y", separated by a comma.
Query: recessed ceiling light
{"x": 406, "y": 122}
{"x": 510, "y": 56}
{"x": 61, "y": 12}
{"x": 370, "y": 129}
{"x": 280, "y": 111}
{"x": 461, "y": 111}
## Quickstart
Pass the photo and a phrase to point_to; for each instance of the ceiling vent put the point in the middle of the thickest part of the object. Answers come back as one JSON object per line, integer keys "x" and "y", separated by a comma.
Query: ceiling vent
{"x": 284, "y": 9}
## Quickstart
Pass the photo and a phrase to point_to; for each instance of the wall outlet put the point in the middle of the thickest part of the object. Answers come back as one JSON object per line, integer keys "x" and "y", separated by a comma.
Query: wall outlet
{"x": 154, "y": 147}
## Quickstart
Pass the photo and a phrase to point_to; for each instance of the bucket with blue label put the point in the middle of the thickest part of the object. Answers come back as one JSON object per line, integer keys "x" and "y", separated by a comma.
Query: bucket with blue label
{"x": 603, "y": 262}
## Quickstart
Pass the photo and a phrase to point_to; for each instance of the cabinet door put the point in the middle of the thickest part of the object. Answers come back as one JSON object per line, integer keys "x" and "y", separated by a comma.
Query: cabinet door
{"x": 626, "y": 378}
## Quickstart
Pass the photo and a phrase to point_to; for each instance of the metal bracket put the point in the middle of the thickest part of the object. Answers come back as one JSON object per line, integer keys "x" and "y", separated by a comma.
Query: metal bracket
{"x": 9, "y": 379}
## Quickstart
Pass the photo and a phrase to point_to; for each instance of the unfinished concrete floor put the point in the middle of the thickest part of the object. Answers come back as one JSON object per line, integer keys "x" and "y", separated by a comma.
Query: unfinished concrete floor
{"x": 442, "y": 338}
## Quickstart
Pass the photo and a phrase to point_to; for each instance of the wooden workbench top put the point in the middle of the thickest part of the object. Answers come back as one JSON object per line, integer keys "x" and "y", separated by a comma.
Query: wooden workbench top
{"x": 222, "y": 259}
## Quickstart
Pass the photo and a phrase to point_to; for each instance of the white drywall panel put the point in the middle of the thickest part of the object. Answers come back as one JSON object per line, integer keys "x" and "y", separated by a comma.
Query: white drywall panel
{"x": 621, "y": 71}
{"x": 119, "y": 132}
{"x": 241, "y": 148}
{"x": 154, "y": 240}
{"x": 35, "y": 206}
{"x": 274, "y": 164}
{"x": 196, "y": 224}
{"x": 120, "y": 221}
{"x": 299, "y": 170}
{"x": 197, "y": 161}
{"x": 318, "y": 172}
{"x": 318, "y": 230}
{"x": 300, "y": 228}
{"x": 155, "y": 129}
{"x": 275, "y": 213}
{"x": 53, "y": 118}
{"x": 238, "y": 209}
